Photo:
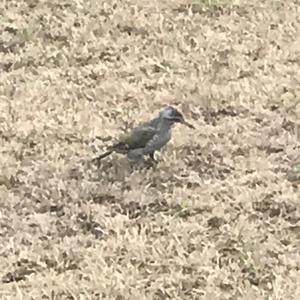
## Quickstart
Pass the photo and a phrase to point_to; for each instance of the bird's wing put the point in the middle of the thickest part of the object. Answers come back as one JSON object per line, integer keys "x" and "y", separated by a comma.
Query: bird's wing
{"x": 151, "y": 145}
{"x": 137, "y": 138}
{"x": 157, "y": 141}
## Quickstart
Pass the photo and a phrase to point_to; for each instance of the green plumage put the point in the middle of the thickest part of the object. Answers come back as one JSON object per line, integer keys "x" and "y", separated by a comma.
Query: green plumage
{"x": 148, "y": 137}
{"x": 137, "y": 138}
{"x": 294, "y": 173}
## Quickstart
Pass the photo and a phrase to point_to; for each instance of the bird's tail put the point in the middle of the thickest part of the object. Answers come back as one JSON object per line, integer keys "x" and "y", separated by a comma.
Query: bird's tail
{"x": 120, "y": 147}
{"x": 103, "y": 155}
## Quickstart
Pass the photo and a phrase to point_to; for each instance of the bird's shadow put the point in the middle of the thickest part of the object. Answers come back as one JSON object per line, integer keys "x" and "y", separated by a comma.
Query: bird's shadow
{"x": 111, "y": 169}
{"x": 108, "y": 165}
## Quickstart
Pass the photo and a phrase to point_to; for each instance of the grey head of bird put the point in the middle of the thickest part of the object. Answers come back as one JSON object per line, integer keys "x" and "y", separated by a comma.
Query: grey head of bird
{"x": 172, "y": 115}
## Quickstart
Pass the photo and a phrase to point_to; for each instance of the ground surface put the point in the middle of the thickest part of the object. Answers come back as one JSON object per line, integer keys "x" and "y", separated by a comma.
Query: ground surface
{"x": 216, "y": 219}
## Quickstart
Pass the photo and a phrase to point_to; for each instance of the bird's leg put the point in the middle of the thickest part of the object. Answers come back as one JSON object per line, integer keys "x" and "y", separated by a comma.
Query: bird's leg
{"x": 151, "y": 155}
{"x": 101, "y": 156}
{"x": 97, "y": 160}
{"x": 136, "y": 157}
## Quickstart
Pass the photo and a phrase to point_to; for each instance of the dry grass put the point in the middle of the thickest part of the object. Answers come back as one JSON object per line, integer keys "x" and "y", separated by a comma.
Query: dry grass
{"x": 217, "y": 218}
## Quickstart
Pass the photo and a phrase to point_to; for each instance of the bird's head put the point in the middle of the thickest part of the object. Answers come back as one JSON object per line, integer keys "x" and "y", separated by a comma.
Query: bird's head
{"x": 173, "y": 115}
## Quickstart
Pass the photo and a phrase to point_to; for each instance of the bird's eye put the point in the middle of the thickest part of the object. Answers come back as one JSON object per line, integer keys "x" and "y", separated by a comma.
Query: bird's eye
{"x": 176, "y": 114}
{"x": 173, "y": 112}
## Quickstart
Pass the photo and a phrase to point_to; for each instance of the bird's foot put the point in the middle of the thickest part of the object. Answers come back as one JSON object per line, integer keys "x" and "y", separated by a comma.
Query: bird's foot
{"x": 151, "y": 163}
{"x": 137, "y": 165}
{"x": 152, "y": 159}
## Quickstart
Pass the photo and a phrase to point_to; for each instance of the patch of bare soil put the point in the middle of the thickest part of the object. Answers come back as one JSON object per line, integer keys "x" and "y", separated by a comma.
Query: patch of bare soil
{"x": 217, "y": 217}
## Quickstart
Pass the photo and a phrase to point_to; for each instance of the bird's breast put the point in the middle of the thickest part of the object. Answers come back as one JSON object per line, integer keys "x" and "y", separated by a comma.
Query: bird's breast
{"x": 163, "y": 138}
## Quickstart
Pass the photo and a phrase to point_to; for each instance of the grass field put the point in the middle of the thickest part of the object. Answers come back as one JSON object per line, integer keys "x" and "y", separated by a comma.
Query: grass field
{"x": 216, "y": 218}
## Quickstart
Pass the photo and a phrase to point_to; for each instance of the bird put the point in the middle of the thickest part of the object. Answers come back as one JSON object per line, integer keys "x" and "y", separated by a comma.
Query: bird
{"x": 147, "y": 137}
{"x": 293, "y": 175}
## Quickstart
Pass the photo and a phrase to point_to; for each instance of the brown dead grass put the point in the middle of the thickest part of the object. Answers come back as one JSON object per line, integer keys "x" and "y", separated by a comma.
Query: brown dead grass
{"x": 217, "y": 218}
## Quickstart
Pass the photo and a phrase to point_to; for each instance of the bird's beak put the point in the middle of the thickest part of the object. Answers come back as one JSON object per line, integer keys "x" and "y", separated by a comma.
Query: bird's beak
{"x": 184, "y": 122}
